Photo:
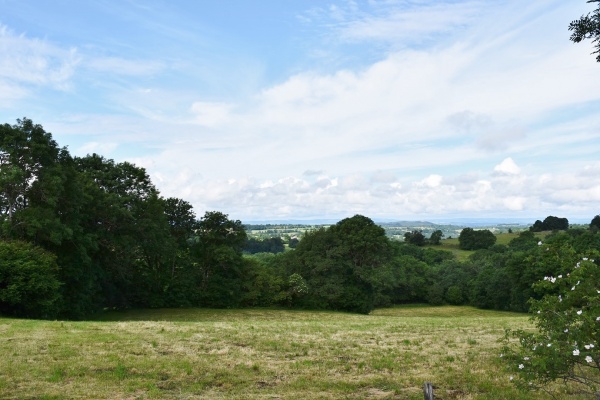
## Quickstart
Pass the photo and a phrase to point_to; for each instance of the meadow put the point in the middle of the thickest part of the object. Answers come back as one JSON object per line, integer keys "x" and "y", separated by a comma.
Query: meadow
{"x": 261, "y": 354}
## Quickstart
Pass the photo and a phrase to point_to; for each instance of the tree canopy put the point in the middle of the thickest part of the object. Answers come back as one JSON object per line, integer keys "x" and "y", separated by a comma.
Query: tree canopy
{"x": 588, "y": 27}
{"x": 470, "y": 239}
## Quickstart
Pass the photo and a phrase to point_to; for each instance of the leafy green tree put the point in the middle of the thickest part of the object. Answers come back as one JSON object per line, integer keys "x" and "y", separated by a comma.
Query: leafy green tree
{"x": 565, "y": 345}
{"x": 29, "y": 284}
{"x": 550, "y": 223}
{"x": 263, "y": 285}
{"x": 217, "y": 258}
{"x": 341, "y": 264}
{"x": 588, "y": 27}
{"x": 436, "y": 237}
{"x": 470, "y": 239}
{"x": 595, "y": 224}
{"x": 415, "y": 237}
{"x": 181, "y": 219}
{"x": 270, "y": 245}
{"x": 135, "y": 239}
{"x": 43, "y": 201}
{"x": 525, "y": 241}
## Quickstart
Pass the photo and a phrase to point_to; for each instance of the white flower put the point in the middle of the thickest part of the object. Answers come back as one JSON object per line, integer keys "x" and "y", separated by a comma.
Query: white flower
{"x": 539, "y": 312}
{"x": 540, "y": 243}
{"x": 511, "y": 378}
{"x": 526, "y": 358}
{"x": 579, "y": 312}
{"x": 578, "y": 265}
{"x": 521, "y": 366}
{"x": 597, "y": 318}
{"x": 566, "y": 330}
{"x": 576, "y": 352}
{"x": 573, "y": 288}
{"x": 578, "y": 282}
{"x": 560, "y": 277}
{"x": 560, "y": 298}
{"x": 552, "y": 279}
{"x": 588, "y": 359}
{"x": 589, "y": 346}
{"x": 584, "y": 258}
{"x": 549, "y": 345}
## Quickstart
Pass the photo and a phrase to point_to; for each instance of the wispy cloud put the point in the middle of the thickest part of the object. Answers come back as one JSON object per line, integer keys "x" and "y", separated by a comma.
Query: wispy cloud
{"x": 31, "y": 61}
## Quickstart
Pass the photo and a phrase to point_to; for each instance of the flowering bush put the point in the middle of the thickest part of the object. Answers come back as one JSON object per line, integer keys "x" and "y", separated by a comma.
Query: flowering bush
{"x": 565, "y": 345}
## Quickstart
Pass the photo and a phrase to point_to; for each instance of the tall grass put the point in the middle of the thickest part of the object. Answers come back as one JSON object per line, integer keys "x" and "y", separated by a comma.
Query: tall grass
{"x": 259, "y": 354}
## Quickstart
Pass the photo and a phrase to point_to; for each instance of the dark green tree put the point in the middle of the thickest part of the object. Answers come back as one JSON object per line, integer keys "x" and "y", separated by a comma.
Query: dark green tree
{"x": 217, "y": 259}
{"x": 595, "y": 224}
{"x": 341, "y": 264}
{"x": 470, "y": 239}
{"x": 29, "y": 285}
{"x": 588, "y": 27}
{"x": 135, "y": 240}
{"x": 415, "y": 237}
{"x": 436, "y": 237}
{"x": 550, "y": 223}
{"x": 43, "y": 201}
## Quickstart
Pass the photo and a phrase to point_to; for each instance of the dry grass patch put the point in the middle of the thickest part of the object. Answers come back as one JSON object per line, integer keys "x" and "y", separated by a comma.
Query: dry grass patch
{"x": 259, "y": 354}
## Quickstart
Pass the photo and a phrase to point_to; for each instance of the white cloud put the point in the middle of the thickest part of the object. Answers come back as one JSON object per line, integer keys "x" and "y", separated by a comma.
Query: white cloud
{"x": 26, "y": 61}
{"x": 409, "y": 130}
{"x": 507, "y": 166}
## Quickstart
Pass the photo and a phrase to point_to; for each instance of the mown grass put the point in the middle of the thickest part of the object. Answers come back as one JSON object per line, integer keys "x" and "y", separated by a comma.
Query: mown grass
{"x": 260, "y": 354}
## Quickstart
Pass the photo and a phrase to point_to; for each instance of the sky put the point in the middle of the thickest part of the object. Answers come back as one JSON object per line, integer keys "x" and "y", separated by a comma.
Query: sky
{"x": 273, "y": 110}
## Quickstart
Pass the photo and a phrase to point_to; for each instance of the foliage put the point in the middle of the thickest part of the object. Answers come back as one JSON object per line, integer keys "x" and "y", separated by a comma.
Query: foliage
{"x": 270, "y": 245}
{"x": 116, "y": 243}
{"x": 341, "y": 264}
{"x": 595, "y": 223}
{"x": 29, "y": 284}
{"x": 415, "y": 237}
{"x": 566, "y": 344}
{"x": 436, "y": 237}
{"x": 550, "y": 223}
{"x": 217, "y": 260}
{"x": 588, "y": 27}
{"x": 470, "y": 239}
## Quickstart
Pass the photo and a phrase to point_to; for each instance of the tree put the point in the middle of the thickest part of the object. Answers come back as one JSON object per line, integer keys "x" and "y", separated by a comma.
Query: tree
{"x": 217, "y": 258}
{"x": 436, "y": 237}
{"x": 470, "y": 239}
{"x": 415, "y": 237}
{"x": 565, "y": 345}
{"x": 341, "y": 264}
{"x": 595, "y": 224}
{"x": 588, "y": 27}
{"x": 29, "y": 285}
{"x": 550, "y": 223}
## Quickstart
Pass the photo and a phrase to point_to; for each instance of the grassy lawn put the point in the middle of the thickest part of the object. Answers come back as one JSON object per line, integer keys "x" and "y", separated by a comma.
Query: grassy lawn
{"x": 260, "y": 354}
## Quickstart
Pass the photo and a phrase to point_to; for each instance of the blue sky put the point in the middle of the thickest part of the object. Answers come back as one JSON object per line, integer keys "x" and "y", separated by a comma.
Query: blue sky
{"x": 305, "y": 109}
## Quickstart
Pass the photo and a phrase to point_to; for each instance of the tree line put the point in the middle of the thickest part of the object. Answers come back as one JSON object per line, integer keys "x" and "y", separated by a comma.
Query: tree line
{"x": 84, "y": 234}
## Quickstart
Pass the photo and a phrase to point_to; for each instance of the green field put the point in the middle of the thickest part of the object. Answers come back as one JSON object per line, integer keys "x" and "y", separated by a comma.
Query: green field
{"x": 260, "y": 354}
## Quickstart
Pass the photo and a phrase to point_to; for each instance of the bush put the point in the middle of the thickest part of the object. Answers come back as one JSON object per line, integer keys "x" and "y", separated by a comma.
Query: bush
{"x": 470, "y": 239}
{"x": 565, "y": 346}
{"x": 29, "y": 286}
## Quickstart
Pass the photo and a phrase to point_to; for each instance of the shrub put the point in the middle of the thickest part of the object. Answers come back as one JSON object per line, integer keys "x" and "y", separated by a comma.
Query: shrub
{"x": 29, "y": 286}
{"x": 565, "y": 346}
